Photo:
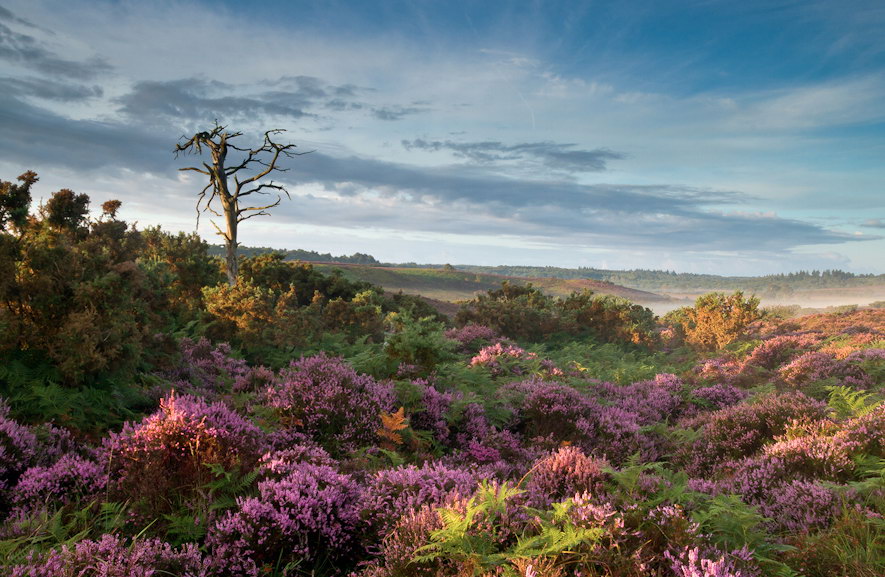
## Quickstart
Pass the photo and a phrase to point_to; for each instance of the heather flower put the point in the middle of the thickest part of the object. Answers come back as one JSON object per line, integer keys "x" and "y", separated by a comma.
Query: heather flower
{"x": 471, "y": 425}
{"x": 650, "y": 402}
{"x": 433, "y": 416}
{"x": 563, "y": 474}
{"x": 327, "y": 399}
{"x": 392, "y": 493}
{"x": 773, "y": 352}
{"x": 168, "y": 452}
{"x": 720, "y": 395}
{"x": 309, "y": 515}
{"x": 71, "y": 479}
{"x": 279, "y": 463}
{"x": 743, "y": 429}
{"x": 553, "y": 410}
{"x": 864, "y": 434}
{"x": 400, "y": 545}
{"x": 558, "y": 413}
{"x": 691, "y": 563}
{"x": 210, "y": 369}
{"x": 111, "y": 557}
{"x": 472, "y": 337}
{"x": 814, "y": 456}
{"x": 793, "y": 501}
{"x": 815, "y": 366}
{"x": 18, "y": 450}
{"x": 800, "y": 506}
{"x": 720, "y": 370}
{"x": 505, "y": 360}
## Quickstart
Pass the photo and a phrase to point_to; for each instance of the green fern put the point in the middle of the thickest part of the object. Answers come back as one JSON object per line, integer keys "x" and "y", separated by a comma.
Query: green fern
{"x": 557, "y": 535}
{"x": 732, "y": 524}
{"x": 47, "y": 530}
{"x": 845, "y": 402}
{"x": 458, "y": 540}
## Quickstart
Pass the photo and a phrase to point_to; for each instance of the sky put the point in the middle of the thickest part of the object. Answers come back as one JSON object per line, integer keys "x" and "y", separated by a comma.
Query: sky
{"x": 707, "y": 136}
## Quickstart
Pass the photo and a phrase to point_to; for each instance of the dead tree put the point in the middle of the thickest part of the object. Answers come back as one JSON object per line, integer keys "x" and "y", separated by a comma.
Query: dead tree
{"x": 234, "y": 175}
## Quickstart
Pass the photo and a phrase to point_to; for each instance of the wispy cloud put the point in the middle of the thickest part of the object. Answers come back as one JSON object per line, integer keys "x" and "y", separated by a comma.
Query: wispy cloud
{"x": 47, "y": 89}
{"x": 27, "y": 51}
{"x": 556, "y": 156}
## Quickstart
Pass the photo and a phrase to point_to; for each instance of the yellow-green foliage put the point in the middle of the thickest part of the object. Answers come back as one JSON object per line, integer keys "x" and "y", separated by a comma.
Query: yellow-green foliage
{"x": 718, "y": 319}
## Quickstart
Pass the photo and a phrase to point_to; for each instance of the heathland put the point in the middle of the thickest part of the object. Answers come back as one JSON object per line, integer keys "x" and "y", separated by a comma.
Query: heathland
{"x": 159, "y": 417}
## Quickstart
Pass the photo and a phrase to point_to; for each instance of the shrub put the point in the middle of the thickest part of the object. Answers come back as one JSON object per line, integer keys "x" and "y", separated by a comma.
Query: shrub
{"x": 743, "y": 429}
{"x": 167, "y": 454}
{"x": 18, "y": 451}
{"x": 720, "y": 396}
{"x": 70, "y": 480}
{"x": 563, "y": 474}
{"x": 608, "y": 318}
{"x": 420, "y": 343}
{"x": 327, "y": 399}
{"x": 718, "y": 319}
{"x": 816, "y": 366}
{"x": 511, "y": 360}
{"x": 307, "y": 518}
{"x": 472, "y": 337}
{"x": 112, "y": 557}
{"x": 519, "y": 312}
{"x": 392, "y": 493}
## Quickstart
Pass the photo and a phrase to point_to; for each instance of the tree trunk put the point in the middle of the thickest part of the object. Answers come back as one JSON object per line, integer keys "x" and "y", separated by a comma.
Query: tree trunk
{"x": 233, "y": 265}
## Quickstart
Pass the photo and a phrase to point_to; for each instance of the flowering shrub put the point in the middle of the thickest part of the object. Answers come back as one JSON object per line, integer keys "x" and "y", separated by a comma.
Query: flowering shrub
{"x": 70, "y": 479}
{"x": 558, "y": 413}
{"x": 800, "y": 506}
{"x": 168, "y": 452}
{"x": 773, "y": 352}
{"x": 816, "y": 366}
{"x": 564, "y": 474}
{"x": 719, "y": 370}
{"x": 391, "y": 493}
{"x": 435, "y": 407}
{"x": 472, "y": 337}
{"x": 111, "y": 557}
{"x": 503, "y": 360}
{"x": 743, "y": 429}
{"x": 552, "y": 410}
{"x": 650, "y": 401}
{"x": 720, "y": 396}
{"x": 691, "y": 563}
{"x": 279, "y": 463}
{"x": 399, "y": 547}
{"x": 327, "y": 399}
{"x": 18, "y": 450}
{"x": 310, "y": 515}
{"x": 864, "y": 434}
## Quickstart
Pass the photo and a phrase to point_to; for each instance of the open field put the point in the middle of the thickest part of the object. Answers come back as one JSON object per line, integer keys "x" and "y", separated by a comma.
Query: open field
{"x": 455, "y": 285}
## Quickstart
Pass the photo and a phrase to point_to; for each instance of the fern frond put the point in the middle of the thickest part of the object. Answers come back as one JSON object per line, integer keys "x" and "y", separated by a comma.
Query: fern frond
{"x": 845, "y": 402}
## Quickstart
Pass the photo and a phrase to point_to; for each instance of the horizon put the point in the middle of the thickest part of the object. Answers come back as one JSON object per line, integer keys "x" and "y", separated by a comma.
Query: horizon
{"x": 220, "y": 247}
{"x": 697, "y": 137}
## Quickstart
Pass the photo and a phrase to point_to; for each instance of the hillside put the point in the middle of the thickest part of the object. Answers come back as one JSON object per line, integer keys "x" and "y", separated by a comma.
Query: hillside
{"x": 452, "y": 285}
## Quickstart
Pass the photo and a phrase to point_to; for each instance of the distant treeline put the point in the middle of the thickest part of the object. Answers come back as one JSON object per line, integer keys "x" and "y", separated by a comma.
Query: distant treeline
{"x": 657, "y": 280}
{"x": 298, "y": 254}
{"x": 650, "y": 280}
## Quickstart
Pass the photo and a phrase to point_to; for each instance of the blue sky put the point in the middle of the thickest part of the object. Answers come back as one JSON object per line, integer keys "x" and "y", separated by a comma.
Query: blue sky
{"x": 700, "y": 136}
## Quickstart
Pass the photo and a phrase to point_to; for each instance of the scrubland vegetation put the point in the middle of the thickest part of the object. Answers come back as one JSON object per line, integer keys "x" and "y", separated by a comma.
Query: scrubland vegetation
{"x": 157, "y": 420}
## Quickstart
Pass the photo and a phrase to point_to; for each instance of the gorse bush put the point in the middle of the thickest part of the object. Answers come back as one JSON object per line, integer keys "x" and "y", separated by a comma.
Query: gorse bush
{"x": 524, "y": 312}
{"x": 716, "y": 319}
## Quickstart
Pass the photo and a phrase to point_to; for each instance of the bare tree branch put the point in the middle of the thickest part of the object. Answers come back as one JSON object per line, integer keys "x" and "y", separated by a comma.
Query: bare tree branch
{"x": 253, "y": 164}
